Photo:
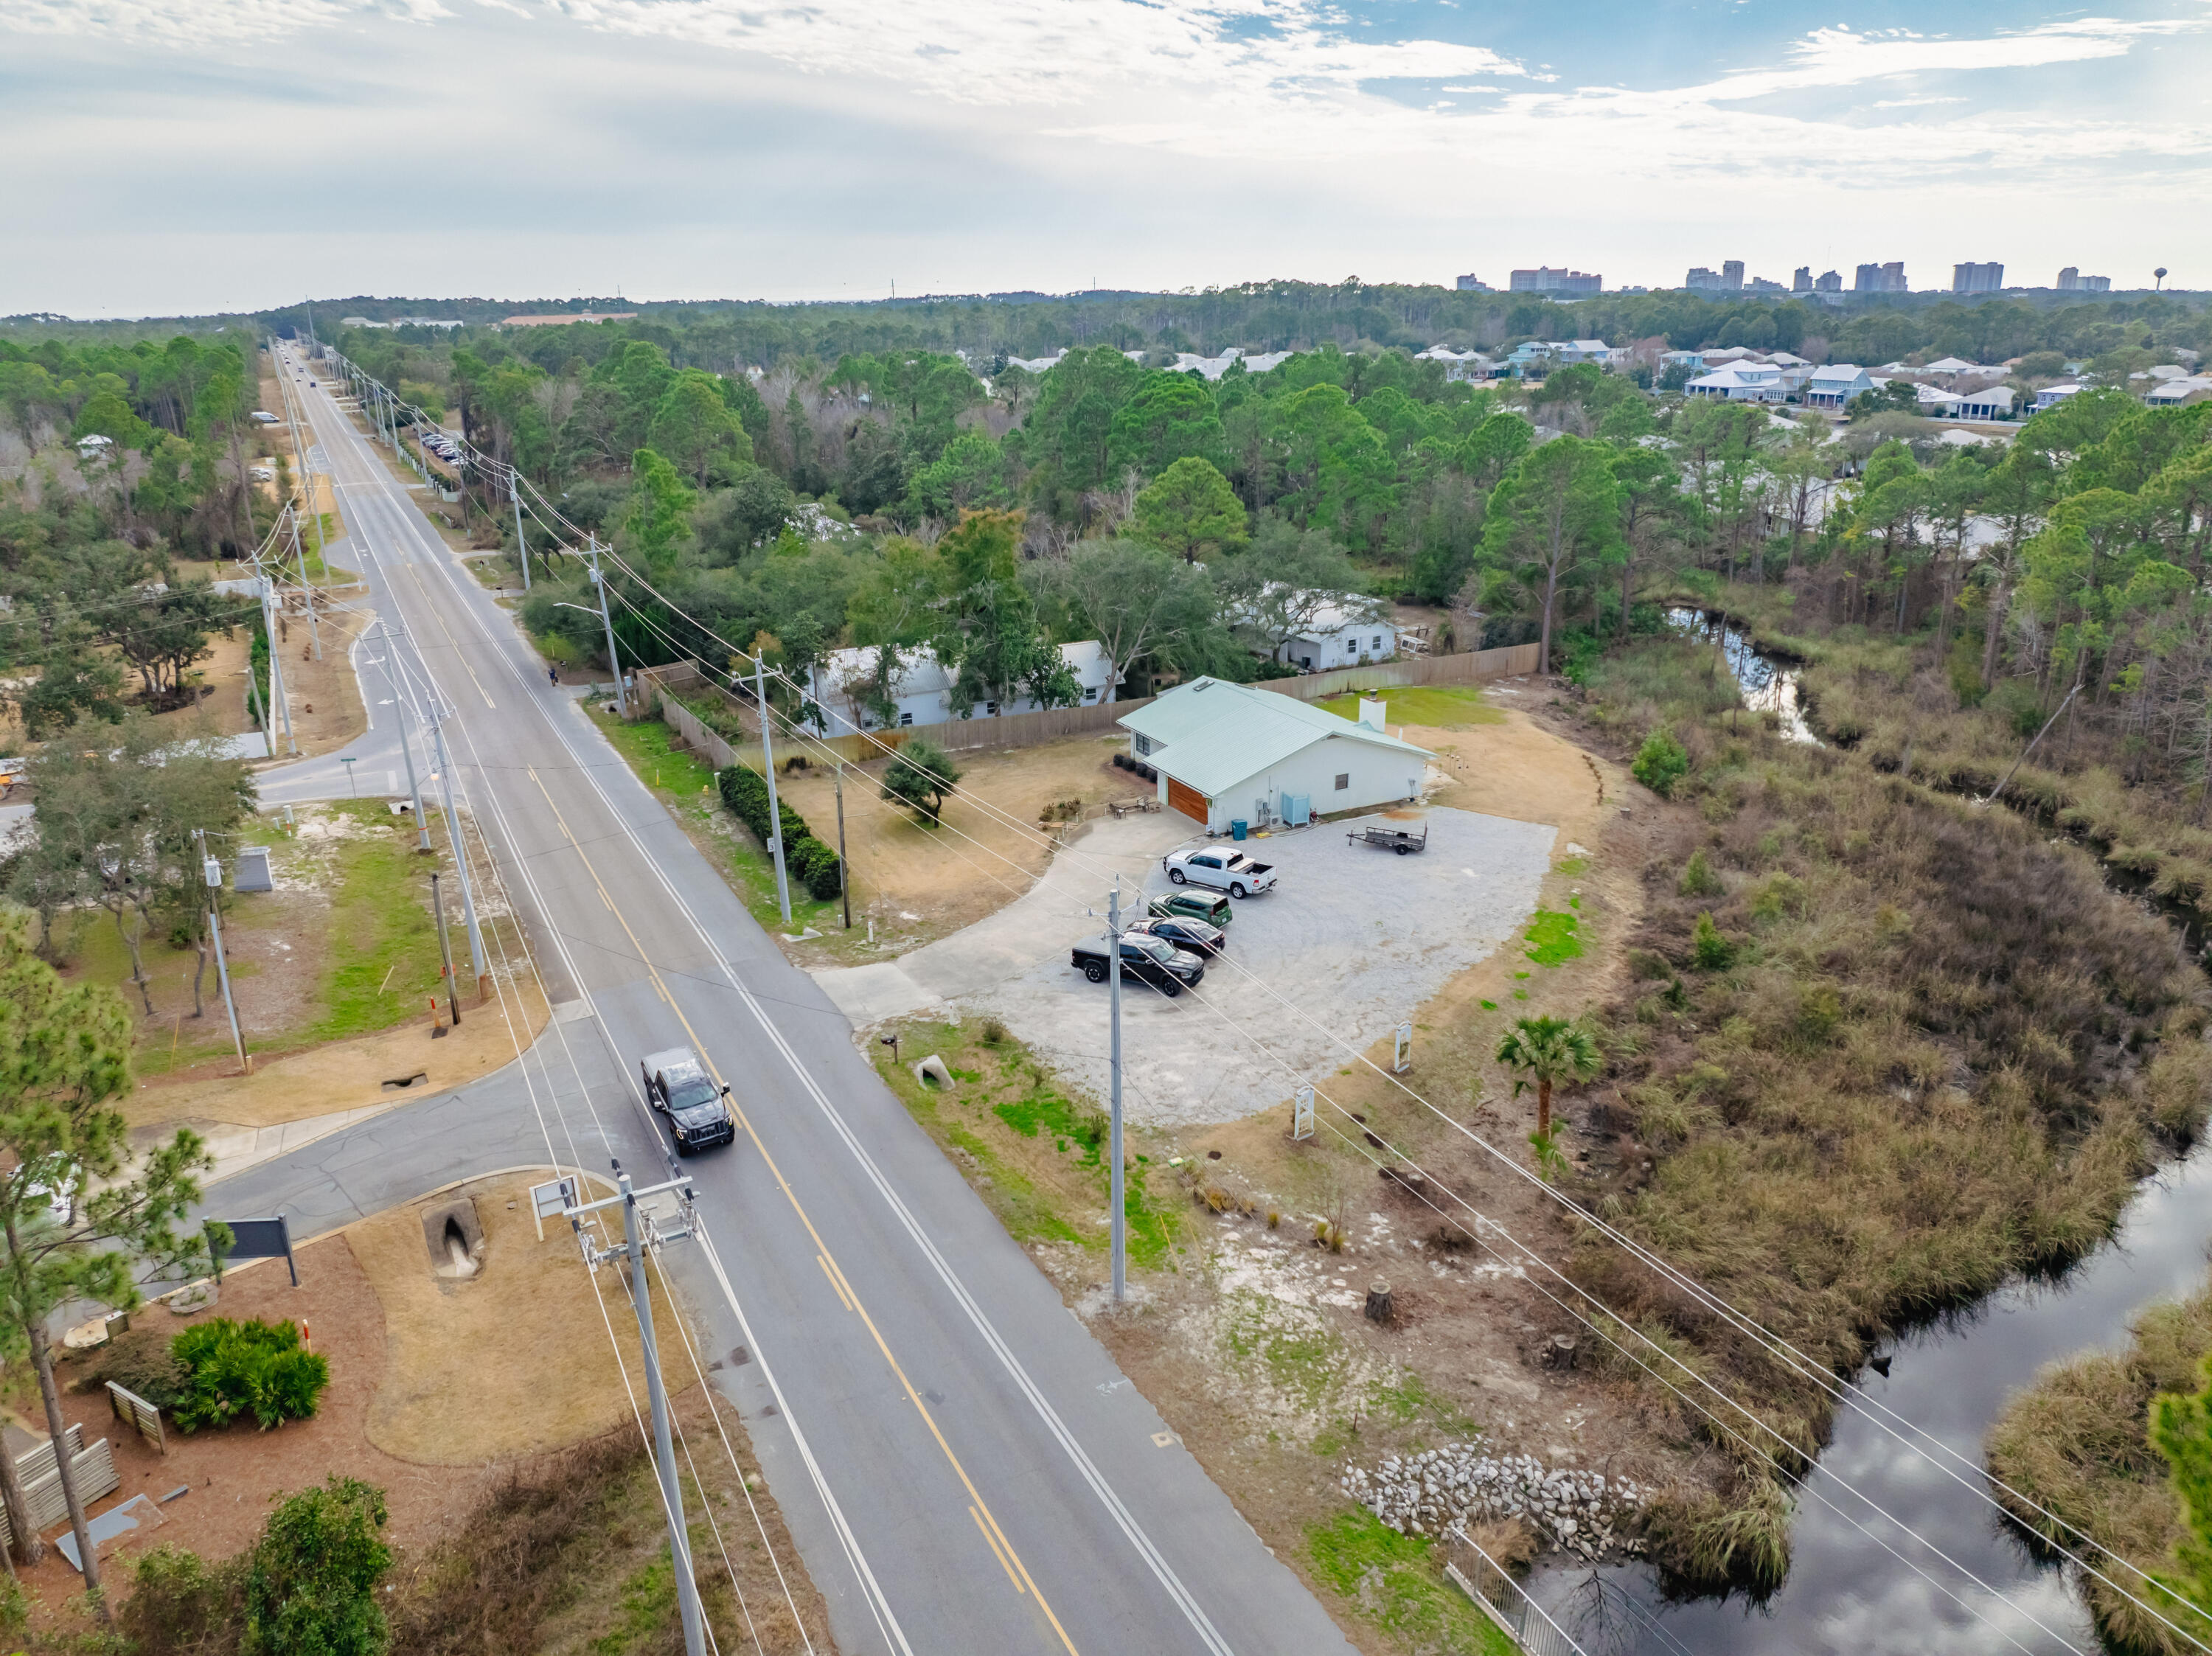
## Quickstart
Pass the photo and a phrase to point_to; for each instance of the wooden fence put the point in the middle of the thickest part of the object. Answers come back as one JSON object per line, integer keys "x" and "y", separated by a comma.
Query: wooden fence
{"x": 94, "y": 1468}
{"x": 664, "y": 685}
{"x": 139, "y": 1415}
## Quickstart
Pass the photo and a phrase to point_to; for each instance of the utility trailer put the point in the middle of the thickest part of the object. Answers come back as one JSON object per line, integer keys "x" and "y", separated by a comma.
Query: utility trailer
{"x": 1391, "y": 838}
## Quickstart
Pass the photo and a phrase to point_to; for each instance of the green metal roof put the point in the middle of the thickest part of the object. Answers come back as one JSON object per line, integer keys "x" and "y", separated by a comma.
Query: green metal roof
{"x": 1211, "y": 735}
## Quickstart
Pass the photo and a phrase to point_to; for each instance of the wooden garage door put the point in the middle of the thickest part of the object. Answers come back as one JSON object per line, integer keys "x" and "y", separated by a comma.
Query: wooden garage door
{"x": 1189, "y": 801}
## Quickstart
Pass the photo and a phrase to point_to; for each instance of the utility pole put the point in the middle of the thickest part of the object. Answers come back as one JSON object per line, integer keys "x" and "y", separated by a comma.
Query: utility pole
{"x": 299, "y": 556}
{"x": 212, "y": 871}
{"x": 641, "y": 1234}
{"x": 406, "y": 748}
{"x": 775, "y": 808}
{"x": 276, "y": 659}
{"x": 1118, "y": 1221}
{"x": 444, "y": 953}
{"x": 460, "y": 853}
{"x": 599, "y": 583}
{"x": 521, "y": 546}
{"x": 844, "y": 868}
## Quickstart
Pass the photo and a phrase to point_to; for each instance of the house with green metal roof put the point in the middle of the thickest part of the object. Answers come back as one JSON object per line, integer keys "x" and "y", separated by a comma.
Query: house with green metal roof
{"x": 1229, "y": 753}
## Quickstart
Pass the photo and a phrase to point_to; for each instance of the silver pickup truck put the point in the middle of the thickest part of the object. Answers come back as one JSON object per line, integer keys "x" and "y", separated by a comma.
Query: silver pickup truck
{"x": 1232, "y": 871}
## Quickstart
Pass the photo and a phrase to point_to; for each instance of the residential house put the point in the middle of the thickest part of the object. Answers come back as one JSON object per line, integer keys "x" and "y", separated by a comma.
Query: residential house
{"x": 921, "y": 688}
{"x": 2172, "y": 393}
{"x": 1743, "y": 382}
{"x": 2052, "y": 396}
{"x": 1990, "y": 403}
{"x": 1230, "y": 753}
{"x": 1461, "y": 364}
{"x": 1834, "y": 385}
{"x": 1340, "y": 630}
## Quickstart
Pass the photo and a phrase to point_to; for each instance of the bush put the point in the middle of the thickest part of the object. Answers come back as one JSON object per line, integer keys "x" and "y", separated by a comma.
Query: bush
{"x": 311, "y": 1588}
{"x": 1698, "y": 879}
{"x": 253, "y": 1368}
{"x": 1661, "y": 762}
{"x": 805, "y": 858}
{"x": 919, "y": 778}
{"x": 141, "y": 1361}
{"x": 1711, "y": 950}
{"x": 182, "y": 1606}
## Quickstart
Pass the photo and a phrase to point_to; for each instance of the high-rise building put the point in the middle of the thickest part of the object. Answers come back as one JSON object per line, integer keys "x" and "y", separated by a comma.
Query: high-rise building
{"x": 1761, "y": 285}
{"x": 2096, "y": 284}
{"x": 1880, "y": 278}
{"x": 1545, "y": 280}
{"x": 1802, "y": 281}
{"x": 1701, "y": 280}
{"x": 1732, "y": 274}
{"x": 1978, "y": 278}
{"x": 1474, "y": 284}
{"x": 1831, "y": 282}
{"x": 2070, "y": 279}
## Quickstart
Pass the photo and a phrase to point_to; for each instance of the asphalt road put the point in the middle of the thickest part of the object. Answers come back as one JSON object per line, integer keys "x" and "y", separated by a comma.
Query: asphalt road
{"x": 961, "y": 1463}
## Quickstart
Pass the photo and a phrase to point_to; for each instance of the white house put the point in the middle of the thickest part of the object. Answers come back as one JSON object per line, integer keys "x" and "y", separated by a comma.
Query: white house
{"x": 1990, "y": 403}
{"x": 2172, "y": 393}
{"x": 1233, "y": 753}
{"x": 2051, "y": 396}
{"x": 1834, "y": 385}
{"x": 1339, "y": 630}
{"x": 1460, "y": 364}
{"x": 921, "y": 688}
{"x": 1742, "y": 382}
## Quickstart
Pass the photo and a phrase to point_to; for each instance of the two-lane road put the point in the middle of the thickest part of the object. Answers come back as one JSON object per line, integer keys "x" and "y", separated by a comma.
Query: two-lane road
{"x": 963, "y": 1466}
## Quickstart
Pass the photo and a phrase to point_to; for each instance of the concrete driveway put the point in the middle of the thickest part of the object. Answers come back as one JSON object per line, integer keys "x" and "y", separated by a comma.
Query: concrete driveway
{"x": 1353, "y": 937}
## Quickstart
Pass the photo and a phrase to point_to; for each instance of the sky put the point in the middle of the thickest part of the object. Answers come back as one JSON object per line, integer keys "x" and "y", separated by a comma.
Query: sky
{"x": 169, "y": 157}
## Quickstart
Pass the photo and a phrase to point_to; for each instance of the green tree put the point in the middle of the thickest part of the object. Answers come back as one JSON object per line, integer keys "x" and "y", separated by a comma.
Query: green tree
{"x": 1190, "y": 510}
{"x": 1555, "y": 514}
{"x": 1338, "y": 473}
{"x": 1661, "y": 762}
{"x": 970, "y": 472}
{"x": 658, "y": 520}
{"x": 1548, "y": 1051}
{"x": 311, "y": 1587}
{"x": 920, "y": 775}
{"x": 75, "y": 1222}
{"x": 987, "y": 631}
{"x": 1135, "y": 600}
{"x": 1170, "y": 418}
{"x": 1278, "y": 590}
{"x": 694, "y": 427}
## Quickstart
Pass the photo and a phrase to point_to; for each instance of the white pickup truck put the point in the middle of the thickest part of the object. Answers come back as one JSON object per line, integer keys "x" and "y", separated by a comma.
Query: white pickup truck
{"x": 1232, "y": 871}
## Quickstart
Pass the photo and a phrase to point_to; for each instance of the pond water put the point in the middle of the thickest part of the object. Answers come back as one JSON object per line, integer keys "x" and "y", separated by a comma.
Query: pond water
{"x": 1859, "y": 1583}
{"x": 1768, "y": 685}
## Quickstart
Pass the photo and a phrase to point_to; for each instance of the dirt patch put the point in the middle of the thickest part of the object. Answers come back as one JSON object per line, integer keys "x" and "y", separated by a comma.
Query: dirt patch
{"x": 918, "y": 883}
{"x": 507, "y": 1362}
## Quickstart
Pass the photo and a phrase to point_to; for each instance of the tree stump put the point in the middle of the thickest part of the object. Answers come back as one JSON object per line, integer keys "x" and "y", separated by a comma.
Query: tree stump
{"x": 1378, "y": 1302}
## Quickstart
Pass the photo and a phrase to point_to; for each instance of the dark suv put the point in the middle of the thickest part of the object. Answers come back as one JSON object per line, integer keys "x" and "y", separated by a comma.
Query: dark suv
{"x": 678, "y": 1085}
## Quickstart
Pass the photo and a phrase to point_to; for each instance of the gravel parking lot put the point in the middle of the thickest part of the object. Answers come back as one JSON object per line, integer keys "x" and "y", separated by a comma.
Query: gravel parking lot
{"x": 1353, "y": 937}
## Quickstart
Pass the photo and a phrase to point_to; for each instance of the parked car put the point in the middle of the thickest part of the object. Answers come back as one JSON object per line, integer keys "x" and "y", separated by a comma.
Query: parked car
{"x": 1224, "y": 871}
{"x": 1148, "y": 960}
{"x": 678, "y": 1085}
{"x": 1197, "y": 936}
{"x": 264, "y": 418}
{"x": 1196, "y": 905}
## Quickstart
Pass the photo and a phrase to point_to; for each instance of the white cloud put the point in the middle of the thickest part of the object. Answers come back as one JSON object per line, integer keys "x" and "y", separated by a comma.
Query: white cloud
{"x": 201, "y": 22}
{"x": 1912, "y": 103}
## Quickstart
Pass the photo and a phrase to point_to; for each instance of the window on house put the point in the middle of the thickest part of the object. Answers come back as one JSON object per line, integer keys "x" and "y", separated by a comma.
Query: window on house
{"x": 1091, "y": 694}
{"x": 1141, "y": 742}
{"x": 991, "y": 709}
{"x": 906, "y": 718}
{"x": 1343, "y": 780}
{"x": 1378, "y": 640}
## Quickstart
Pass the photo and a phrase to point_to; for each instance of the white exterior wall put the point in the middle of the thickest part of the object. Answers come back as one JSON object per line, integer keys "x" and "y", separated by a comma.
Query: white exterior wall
{"x": 1341, "y": 646}
{"x": 1379, "y": 776}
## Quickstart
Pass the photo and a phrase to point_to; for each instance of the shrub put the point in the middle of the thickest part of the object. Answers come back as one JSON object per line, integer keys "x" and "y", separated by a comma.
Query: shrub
{"x": 253, "y": 1368}
{"x": 919, "y": 778}
{"x": 1698, "y": 879}
{"x": 180, "y": 1604}
{"x": 1661, "y": 762}
{"x": 311, "y": 1587}
{"x": 141, "y": 1361}
{"x": 805, "y": 858}
{"x": 1711, "y": 950}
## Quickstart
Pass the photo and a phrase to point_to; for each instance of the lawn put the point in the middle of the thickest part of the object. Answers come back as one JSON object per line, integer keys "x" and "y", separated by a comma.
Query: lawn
{"x": 1397, "y": 1581}
{"x": 1438, "y": 707}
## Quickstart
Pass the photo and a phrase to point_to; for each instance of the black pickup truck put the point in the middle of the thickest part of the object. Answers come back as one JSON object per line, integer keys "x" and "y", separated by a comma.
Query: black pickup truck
{"x": 678, "y": 1085}
{"x": 1148, "y": 960}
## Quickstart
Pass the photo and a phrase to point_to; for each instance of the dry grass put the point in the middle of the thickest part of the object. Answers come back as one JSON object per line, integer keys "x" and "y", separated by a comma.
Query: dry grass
{"x": 2075, "y": 1444}
{"x": 1942, "y": 1055}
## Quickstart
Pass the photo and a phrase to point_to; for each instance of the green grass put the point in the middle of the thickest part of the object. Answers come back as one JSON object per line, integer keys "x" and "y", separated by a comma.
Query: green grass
{"x": 1439, "y": 707}
{"x": 1552, "y": 939}
{"x": 1397, "y": 1583}
{"x": 685, "y": 783}
{"x": 383, "y": 941}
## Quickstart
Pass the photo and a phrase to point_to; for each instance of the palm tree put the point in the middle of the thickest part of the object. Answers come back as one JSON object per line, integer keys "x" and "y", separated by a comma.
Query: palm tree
{"x": 1547, "y": 1050}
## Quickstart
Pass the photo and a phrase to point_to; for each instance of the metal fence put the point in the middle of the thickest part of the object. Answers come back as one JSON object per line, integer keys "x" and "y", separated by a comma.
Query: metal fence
{"x": 1487, "y": 1581}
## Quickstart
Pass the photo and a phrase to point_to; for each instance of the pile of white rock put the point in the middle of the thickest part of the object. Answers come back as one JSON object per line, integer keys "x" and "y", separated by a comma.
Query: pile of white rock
{"x": 1430, "y": 1492}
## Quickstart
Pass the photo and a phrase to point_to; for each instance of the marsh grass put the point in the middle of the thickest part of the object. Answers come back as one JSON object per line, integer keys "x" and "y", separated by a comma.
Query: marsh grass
{"x": 2075, "y": 1444}
{"x": 1916, "y": 1052}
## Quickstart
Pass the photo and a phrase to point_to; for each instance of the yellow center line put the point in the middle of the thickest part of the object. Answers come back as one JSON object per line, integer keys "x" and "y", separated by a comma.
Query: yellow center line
{"x": 843, "y": 1298}
{"x": 838, "y": 1280}
{"x": 992, "y": 1541}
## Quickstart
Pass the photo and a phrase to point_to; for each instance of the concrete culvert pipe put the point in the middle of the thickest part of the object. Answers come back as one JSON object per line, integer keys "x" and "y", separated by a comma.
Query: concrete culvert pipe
{"x": 455, "y": 1239}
